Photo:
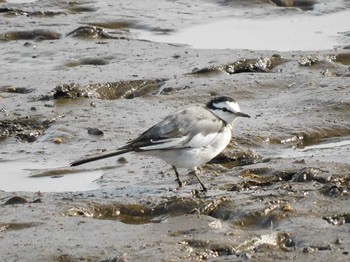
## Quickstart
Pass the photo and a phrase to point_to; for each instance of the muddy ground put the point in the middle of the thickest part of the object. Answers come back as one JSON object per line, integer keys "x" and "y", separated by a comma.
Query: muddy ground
{"x": 280, "y": 191}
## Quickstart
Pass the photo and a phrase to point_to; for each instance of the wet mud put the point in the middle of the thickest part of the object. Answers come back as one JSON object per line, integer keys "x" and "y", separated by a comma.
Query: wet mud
{"x": 279, "y": 191}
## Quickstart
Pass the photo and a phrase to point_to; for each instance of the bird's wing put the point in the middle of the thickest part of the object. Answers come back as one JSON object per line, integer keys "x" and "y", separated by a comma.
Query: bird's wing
{"x": 191, "y": 127}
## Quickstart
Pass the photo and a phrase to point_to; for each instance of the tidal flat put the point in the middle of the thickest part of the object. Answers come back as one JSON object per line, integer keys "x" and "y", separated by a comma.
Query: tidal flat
{"x": 80, "y": 78}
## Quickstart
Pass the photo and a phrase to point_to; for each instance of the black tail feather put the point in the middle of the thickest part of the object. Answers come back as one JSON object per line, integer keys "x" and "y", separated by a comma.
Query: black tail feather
{"x": 94, "y": 158}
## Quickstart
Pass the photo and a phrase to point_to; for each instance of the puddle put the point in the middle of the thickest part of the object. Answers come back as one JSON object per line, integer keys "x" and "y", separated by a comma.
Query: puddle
{"x": 336, "y": 149}
{"x": 283, "y": 33}
{"x": 15, "y": 176}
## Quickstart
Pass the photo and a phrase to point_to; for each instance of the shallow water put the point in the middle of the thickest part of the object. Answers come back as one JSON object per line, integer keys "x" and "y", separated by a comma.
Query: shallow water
{"x": 282, "y": 33}
{"x": 18, "y": 178}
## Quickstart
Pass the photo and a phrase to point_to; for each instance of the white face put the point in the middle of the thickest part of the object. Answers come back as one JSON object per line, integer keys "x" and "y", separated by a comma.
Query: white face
{"x": 227, "y": 110}
{"x": 230, "y": 106}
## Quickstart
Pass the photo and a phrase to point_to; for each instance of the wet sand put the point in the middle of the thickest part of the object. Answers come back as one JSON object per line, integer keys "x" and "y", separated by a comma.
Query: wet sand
{"x": 279, "y": 191}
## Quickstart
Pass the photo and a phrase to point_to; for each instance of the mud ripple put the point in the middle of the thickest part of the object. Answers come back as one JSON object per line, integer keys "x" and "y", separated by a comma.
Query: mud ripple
{"x": 207, "y": 249}
{"x": 109, "y": 91}
{"x": 93, "y": 32}
{"x": 10, "y": 12}
{"x": 261, "y": 65}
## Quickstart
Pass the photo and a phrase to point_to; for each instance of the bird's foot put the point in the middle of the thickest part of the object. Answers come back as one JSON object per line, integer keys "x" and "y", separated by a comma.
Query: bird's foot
{"x": 198, "y": 193}
{"x": 180, "y": 183}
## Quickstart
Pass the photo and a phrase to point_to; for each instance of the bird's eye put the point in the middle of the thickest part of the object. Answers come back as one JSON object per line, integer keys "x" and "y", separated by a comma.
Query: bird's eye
{"x": 224, "y": 109}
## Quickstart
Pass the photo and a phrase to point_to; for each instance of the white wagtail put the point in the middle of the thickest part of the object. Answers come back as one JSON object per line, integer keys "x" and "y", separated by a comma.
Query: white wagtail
{"x": 186, "y": 138}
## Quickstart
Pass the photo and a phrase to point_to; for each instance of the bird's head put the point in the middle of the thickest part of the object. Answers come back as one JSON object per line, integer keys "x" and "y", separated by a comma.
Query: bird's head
{"x": 225, "y": 108}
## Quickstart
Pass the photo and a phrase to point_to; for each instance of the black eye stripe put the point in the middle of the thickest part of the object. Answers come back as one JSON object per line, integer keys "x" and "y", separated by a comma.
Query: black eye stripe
{"x": 224, "y": 109}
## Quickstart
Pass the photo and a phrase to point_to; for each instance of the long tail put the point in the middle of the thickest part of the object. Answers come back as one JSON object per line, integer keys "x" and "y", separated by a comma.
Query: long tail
{"x": 94, "y": 158}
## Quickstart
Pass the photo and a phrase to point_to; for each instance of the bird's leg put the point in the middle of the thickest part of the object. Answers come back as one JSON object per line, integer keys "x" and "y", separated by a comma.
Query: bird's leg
{"x": 177, "y": 177}
{"x": 204, "y": 188}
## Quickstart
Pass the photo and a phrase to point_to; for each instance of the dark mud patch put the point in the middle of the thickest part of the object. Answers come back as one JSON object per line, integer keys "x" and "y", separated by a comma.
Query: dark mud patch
{"x": 15, "y": 90}
{"x": 17, "y": 226}
{"x": 88, "y": 61}
{"x": 317, "y": 135}
{"x": 76, "y": 7}
{"x": 223, "y": 208}
{"x": 117, "y": 24}
{"x": 37, "y": 35}
{"x": 343, "y": 58}
{"x": 13, "y": 12}
{"x": 148, "y": 212}
{"x": 329, "y": 179}
{"x": 15, "y": 200}
{"x": 109, "y": 91}
{"x": 55, "y": 173}
{"x": 26, "y": 129}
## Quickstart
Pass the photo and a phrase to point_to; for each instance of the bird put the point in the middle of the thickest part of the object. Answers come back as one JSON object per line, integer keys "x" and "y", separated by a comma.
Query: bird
{"x": 187, "y": 138}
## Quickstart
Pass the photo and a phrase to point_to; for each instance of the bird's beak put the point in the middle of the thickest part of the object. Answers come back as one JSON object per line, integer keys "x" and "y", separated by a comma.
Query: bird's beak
{"x": 242, "y": 114}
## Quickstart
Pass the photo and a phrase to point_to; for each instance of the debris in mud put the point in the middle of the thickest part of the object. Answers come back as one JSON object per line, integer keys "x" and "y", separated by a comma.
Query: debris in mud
{"x": 266, "y": 176}
{"x": 308, "y": 60}
{"x": 310, "y": 174}
{"x": 338, "y": 220}
{"x": 109, "y": 91}
{"x": 25, "y": 128}
{"x": 312, "y": 249}
{"x": 262, "y": 65}
{"x": 334, "y": 190}
{"x": 260, "y": 177}
{"x": 37, "y": 35}
{"x": 93, "y": 32}
{"x": 233, "y": 159}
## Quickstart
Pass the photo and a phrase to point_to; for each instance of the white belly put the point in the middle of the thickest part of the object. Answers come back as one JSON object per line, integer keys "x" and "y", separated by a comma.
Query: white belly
{"x": 193, "y": 157}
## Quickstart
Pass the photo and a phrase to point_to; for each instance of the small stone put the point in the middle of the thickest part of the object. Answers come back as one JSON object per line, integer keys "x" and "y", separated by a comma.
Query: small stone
{"x": 95, "y": 131}
{"x": 287, "y": 208}
{"x": 57, "y": 140}
{"x": 16, "y": 200}
{"x": 122, "y": 160}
